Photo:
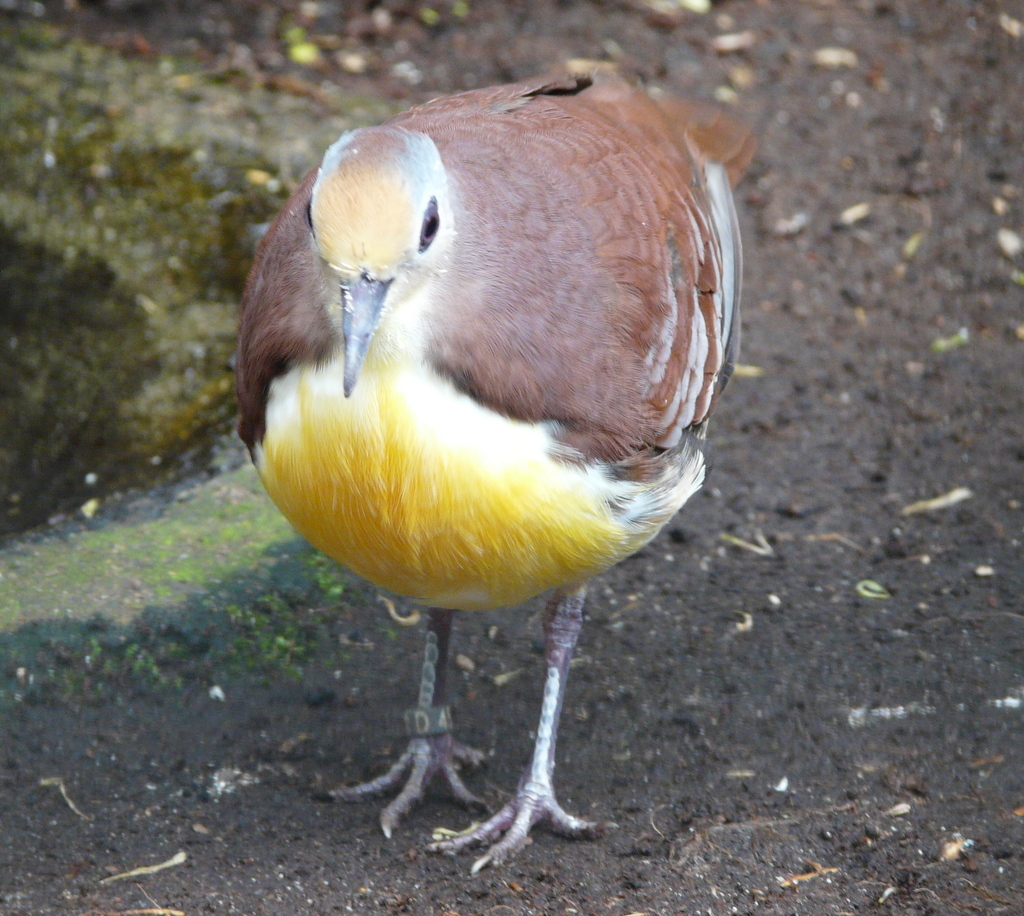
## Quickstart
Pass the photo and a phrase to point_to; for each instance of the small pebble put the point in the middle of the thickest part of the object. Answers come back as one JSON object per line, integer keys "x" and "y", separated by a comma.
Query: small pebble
{"x": 1010, "y": 243}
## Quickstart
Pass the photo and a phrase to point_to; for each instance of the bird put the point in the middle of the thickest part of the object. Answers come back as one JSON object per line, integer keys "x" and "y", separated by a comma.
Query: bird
{"x": 478, "y": 350}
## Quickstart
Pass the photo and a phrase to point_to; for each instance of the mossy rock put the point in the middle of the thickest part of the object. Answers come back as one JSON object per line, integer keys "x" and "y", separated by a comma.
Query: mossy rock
{"x": 131, "y": 198}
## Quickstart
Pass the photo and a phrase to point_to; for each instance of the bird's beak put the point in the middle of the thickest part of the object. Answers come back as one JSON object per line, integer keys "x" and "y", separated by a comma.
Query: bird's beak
{"x": 362, "y": 301}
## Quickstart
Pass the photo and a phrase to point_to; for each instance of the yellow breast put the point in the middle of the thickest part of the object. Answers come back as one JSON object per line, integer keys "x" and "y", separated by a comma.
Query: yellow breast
{"x": 419, "y": 489}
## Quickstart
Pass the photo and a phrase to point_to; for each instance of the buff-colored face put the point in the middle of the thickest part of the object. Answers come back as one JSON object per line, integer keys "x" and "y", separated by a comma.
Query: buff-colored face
{"x": 381, "y": 217}
{"x": 372, "y": 202}
{"x": 361, "y": 218}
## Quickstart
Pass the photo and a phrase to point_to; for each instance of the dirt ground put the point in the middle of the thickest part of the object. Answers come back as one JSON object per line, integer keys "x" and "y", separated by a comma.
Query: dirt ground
{"x": 769, "y": 736}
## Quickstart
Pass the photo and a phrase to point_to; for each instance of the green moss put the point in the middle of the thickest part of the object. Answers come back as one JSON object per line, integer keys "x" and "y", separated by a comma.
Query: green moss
{"x": 217, "y": 531}
{"x": 330, "y": 577}
{"x": 270, "y": 635}
{"x": 129, "y": 210}
{"x": 216, "y": 582}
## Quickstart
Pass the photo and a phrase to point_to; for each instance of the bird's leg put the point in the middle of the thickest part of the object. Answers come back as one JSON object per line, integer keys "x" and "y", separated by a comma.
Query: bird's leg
{"x": 535, "y": 800}
{"x": 432, "y": 751}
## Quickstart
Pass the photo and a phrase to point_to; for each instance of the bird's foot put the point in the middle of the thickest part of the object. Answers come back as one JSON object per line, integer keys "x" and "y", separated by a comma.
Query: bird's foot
{"x": 424, "y": 758}
{"x": 508, "y": 831}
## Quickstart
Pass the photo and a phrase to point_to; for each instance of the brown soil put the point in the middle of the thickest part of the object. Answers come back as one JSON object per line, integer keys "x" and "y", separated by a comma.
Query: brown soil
{"x": 749, "y": 721}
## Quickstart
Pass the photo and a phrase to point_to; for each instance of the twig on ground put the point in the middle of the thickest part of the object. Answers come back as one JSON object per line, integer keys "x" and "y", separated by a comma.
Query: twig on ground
{"x": 761, "y": 547}
{"x": 177, "y": 859}
{"x": 410, "y": 620}
{"x": 835, "y": 536}
{"x": 817, "y": 870}
{"x": 59, "y": 783}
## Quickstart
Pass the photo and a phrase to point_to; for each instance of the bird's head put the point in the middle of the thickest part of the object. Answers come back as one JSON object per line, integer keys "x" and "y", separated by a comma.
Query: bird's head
{"x": 381, "y": 222}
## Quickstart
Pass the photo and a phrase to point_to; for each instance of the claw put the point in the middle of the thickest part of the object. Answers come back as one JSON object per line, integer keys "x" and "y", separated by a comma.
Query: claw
{"x": 532, "y": 804}
{"x": 424, "y": 758}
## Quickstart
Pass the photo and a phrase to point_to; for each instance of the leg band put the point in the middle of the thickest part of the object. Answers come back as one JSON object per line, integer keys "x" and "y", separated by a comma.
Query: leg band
{"x": 424, "y": 721}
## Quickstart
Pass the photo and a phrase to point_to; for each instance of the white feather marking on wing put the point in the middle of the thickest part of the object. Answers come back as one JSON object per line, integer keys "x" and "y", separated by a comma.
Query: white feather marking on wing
{"x": 727, "y": 231}
{"x": 696, "y": 235}
{"x": 660, "y": 358}
{"x": 697, "y": 364}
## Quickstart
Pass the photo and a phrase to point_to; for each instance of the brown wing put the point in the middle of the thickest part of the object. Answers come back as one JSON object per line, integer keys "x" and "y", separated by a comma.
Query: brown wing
{"x": 282, "y": 319}
{"x": 596, "y": 284}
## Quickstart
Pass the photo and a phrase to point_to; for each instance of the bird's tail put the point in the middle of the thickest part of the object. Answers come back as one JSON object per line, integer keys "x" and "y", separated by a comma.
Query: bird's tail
{"x": 715, "y": 134}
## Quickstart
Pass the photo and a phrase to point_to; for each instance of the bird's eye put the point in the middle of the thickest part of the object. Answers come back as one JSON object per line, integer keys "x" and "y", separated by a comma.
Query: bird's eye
{"x": 431, "y": 223}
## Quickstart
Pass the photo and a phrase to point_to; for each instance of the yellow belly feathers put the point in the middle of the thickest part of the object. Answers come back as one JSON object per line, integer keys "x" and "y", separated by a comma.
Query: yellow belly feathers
{"x": 422, "y": 491}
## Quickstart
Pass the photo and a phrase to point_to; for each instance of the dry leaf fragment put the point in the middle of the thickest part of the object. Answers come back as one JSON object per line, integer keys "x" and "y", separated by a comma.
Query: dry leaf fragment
{"x": 300, "y": 49}
{"x": 791, "y": 225}
{"x": 854, "y": 214}
{"x": 500, "y": 680}
{"x": 446, "y": 833}
{"x": 742, "y": 370}
{"x": 944, "y": 344}
{"x": 886, "y": 894}
{"x": 304, "y": 53}
{"x": 951, "y": 849}
{"x": 742, "y": 77}
{"x": 735, "y": 41}
{"x": 588, "y": 66}
{"x": 1013, "y": 27}
{"x": 672, "y": 8}
{"x": 868, "y": 588}
{"x": 258, "y": 177}
{"x": 912, "y": 245}
{"x": 352, "y": 61}
{"x": 954, "y": 496}
{"x": 177, "y": 859}
{"x": 745, "y": 625}
{"x": 834, "y": 58}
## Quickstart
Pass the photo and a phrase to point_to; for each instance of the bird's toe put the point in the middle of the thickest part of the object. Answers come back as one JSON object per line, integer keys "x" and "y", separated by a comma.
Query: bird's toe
{"x": 423, "y": 759}
{"x": 508, "y": 831}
